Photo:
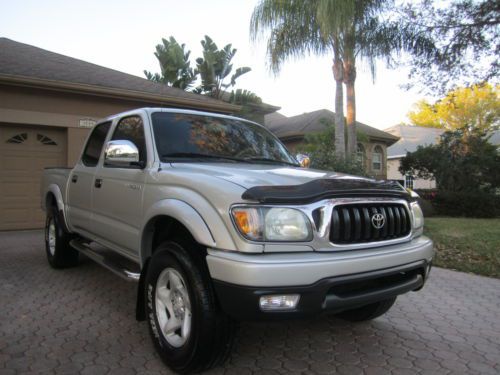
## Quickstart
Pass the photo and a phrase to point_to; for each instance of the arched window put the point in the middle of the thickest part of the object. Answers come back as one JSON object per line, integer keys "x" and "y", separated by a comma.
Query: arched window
{"x": 44, "y": 140}
{"x": 19, "y": 138}
{"x": 377, "y": 158}
{"x": 360, "y": 154}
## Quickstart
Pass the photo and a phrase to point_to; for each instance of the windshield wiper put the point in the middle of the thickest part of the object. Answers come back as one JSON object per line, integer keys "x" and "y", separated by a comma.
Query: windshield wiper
{"x": 269, "y": 160}
{"x": 196, "y": 155}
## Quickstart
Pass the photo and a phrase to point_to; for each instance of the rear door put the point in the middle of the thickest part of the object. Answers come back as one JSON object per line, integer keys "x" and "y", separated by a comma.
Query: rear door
{"x": 118, "y": 192}
{"x": 81, "y": 181}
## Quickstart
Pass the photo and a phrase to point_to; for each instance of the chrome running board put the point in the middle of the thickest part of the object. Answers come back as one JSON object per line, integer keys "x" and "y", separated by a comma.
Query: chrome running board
{"x": 110, "y": 260}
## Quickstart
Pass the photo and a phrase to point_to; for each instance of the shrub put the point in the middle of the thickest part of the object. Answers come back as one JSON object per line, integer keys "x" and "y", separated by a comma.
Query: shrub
{"x": 469, "y": 204}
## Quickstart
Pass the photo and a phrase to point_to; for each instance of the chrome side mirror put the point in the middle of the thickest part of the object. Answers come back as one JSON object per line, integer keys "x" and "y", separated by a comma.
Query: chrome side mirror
{"x": 303, "y": 160}
{"x": 121, "y": 153}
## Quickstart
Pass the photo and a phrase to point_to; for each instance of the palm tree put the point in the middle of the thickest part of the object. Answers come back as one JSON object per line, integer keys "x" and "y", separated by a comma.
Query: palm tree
{"x": 299, "y": 28}
{"x": 364, "y": 37}
{"x": 348, "y": 29}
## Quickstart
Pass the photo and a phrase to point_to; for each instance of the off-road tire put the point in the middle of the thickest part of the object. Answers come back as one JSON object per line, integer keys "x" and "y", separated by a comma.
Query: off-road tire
{"x": 59, "y": 254}
{"x": 368, "y": 312}
{"x": 212, "y": 331}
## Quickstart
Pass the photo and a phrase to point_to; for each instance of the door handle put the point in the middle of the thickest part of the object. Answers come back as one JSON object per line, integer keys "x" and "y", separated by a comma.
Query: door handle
{"x": 98, "y": 182}
{"x": 74, "y": 178}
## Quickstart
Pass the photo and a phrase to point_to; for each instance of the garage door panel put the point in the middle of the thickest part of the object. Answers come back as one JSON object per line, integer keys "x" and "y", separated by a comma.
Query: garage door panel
{"x": 24, "y": 152}
{"x": 21, "y": 164}
{"x": 14, "y": 190}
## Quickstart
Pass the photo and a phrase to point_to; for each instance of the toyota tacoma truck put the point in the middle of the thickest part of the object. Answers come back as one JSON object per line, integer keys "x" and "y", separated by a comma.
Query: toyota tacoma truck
{"x": 217, "y": 223}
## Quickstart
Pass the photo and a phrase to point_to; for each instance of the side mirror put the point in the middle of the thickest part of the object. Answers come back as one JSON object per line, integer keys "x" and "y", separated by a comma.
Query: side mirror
{"x": 303, "y": 160}
{"x": 122, "y": 153}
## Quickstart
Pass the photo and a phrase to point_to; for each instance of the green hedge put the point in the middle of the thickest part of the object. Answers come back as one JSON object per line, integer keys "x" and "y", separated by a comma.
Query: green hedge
{"x": 468, "y": 204}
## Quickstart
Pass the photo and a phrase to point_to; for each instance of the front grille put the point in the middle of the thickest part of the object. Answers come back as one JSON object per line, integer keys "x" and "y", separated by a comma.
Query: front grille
{"x": 354, "y": 223}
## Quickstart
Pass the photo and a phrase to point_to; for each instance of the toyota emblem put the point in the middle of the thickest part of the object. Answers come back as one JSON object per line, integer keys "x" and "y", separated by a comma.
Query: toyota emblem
{"x": 378, "y": 221}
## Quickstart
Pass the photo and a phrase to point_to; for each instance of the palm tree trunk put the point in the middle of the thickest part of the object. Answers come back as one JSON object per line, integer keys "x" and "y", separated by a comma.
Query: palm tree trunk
{"x": 349, "y": 79}
{"x": 338, "y": 75}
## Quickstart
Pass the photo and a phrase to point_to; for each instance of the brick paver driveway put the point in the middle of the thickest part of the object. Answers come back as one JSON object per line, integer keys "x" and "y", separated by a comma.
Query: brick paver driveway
{"x": 81, "y": 320}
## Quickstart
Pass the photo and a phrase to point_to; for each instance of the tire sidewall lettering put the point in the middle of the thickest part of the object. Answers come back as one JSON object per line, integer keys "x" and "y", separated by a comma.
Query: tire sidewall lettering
{"x": 151, "y": 315}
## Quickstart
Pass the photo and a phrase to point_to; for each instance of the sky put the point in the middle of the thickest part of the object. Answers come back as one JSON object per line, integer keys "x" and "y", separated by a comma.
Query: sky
{"x": 122, "y": 35}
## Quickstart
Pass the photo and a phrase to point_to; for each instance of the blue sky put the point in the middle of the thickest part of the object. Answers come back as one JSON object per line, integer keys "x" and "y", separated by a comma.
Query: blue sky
{"x": 123, "y": 34}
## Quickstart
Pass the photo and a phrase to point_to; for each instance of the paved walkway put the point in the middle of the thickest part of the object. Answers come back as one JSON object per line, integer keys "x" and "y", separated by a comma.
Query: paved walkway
{"x": 81, "y": 320}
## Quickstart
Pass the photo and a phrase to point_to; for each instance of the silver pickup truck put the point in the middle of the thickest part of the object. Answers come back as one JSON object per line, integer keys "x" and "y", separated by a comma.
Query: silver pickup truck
{"x": 217, "y": 222}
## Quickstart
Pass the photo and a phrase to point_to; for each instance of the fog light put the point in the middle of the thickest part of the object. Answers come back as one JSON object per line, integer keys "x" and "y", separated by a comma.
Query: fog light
{"x": 279, "y": 302}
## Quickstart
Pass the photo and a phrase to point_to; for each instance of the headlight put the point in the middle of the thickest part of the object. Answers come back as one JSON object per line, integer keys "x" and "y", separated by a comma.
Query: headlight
{"x": 418, "y": 218}
{"x": 274, "y": 224}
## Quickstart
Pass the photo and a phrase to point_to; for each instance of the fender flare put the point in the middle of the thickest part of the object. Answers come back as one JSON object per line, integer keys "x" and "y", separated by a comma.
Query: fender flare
{"x": 180, "y": 211}
{"x": 56, "y": 192}
{"x": 54, "y": 189}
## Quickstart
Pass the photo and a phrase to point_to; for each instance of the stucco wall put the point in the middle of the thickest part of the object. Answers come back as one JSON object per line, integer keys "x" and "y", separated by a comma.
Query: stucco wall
{"x": 394, "y": 174}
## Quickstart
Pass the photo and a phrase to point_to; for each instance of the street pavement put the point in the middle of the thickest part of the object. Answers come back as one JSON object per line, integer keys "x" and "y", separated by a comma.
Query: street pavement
{"x": 82, "y": 321}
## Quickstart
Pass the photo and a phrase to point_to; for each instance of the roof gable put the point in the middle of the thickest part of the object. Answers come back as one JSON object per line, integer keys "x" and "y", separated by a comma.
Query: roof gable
{"x": 311, "y": 122}
{"x": 410, "y": 137}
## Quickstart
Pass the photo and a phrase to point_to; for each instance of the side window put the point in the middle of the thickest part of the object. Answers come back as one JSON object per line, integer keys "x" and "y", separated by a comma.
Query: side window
{"x": 94, "y": 145}
{"x": 131, "y": 129}
{"x": 377, "y": 158}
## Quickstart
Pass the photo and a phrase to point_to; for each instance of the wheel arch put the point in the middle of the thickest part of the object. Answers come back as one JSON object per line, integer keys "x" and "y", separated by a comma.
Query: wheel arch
{"x": 169, "y": 216}
{"x": 168, "y": 220}
{"x": 54, "y": 198}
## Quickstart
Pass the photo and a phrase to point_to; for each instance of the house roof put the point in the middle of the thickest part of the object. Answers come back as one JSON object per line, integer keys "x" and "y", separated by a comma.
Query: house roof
{"x": 295, "y": 126}
{"x": 410, "y": 137}
{"x": 26, "y": 65}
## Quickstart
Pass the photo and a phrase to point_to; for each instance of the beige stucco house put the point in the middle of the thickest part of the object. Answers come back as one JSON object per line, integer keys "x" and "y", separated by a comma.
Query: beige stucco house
{"x": 48, "y": 102}
{"x": 410, "y": 137}
{"x": 372, "y": 152}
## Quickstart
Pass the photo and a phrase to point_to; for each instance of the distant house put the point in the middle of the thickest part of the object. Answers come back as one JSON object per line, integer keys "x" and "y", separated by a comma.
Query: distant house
{"x": 372, "y": 153}
{"x": 410, "y": 137}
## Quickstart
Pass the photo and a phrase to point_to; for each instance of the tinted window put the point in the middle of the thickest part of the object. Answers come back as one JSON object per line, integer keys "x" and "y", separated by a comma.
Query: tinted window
{"x": 94, "y": 145}
{"x": 131, "y": 129}
{"x": 186, "y": 135}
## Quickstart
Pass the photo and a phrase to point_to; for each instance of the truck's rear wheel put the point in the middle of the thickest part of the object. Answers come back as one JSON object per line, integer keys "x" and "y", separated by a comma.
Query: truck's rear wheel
{"x": 187, "y": 327}
{"x": 59, "y": 252}
{"x": 368, "y": 312}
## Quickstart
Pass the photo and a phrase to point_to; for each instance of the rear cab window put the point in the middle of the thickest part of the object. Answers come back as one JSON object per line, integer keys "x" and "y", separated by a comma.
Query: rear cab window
{"x": 94, "y": 145}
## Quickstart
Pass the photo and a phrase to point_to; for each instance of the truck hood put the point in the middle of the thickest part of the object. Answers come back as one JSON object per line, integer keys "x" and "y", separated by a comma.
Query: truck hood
{"x": 283, "y": 184}
{"x": 251, "y": 175}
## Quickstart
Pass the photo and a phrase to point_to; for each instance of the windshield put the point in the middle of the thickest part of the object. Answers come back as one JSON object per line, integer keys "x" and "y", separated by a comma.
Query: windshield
{"x": 198, "y": 137}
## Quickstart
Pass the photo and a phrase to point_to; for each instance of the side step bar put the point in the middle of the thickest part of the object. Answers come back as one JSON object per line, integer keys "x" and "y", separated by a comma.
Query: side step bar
{"x": 107, "y": 260}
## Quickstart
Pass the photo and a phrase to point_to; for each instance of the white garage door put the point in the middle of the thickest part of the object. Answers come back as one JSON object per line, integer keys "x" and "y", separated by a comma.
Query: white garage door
{"x": 24, "y": 153}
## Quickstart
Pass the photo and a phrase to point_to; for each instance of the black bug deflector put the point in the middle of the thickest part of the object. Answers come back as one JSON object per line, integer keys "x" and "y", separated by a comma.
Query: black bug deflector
{"x": 325, "y": 188}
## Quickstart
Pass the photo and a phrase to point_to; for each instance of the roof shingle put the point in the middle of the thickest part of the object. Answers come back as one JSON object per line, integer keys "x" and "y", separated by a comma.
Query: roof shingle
{"x": 300, "y": 125}
{"x": 23, "y": 60}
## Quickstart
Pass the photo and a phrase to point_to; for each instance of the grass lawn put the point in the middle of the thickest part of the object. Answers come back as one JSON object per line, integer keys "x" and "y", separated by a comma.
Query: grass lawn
{"x": 469, "y": 245}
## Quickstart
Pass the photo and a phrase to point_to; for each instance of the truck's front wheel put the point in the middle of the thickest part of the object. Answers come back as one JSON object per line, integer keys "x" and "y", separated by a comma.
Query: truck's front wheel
{"x": 59, "y": 252}
{"x": 187, "y": 327}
